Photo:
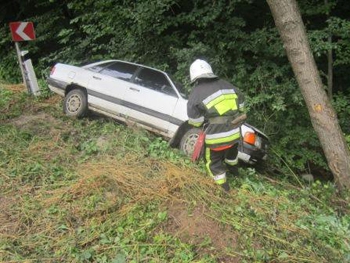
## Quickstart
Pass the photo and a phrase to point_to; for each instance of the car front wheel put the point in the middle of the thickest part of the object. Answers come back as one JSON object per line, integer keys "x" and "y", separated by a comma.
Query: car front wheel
{"x": 75, "y": 103}
{"x": 189, "y": 140}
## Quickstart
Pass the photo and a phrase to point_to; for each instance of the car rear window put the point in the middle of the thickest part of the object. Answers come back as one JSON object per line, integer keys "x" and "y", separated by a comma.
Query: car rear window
{"x": 120, "y": 70}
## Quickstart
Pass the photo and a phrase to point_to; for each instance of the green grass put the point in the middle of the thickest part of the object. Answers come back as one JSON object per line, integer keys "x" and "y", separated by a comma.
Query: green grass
{"x": 92, "y": 190}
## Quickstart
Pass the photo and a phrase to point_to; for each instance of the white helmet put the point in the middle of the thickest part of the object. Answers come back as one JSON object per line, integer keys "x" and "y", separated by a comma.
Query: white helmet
{"x": 201, "y": 69}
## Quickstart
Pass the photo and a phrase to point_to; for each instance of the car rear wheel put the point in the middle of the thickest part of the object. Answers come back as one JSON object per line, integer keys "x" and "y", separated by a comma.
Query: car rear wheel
{"x": 189, "y": 140}
{"x": 75, "y": 103}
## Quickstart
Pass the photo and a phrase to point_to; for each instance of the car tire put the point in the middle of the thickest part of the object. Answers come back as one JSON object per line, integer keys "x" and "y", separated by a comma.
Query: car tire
{"x": 189, "y": 140}
{"x": 75, "y": 103}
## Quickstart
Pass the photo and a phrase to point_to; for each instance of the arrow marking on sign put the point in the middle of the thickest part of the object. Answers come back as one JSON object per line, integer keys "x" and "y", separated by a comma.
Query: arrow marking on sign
{"x": 20, "y": 32}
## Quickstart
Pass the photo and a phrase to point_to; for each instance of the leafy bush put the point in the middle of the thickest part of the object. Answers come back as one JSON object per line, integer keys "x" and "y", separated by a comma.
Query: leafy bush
{"x": 341, "y": 103}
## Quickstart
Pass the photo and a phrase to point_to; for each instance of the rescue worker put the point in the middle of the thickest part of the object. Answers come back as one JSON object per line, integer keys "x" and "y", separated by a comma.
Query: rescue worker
{"x": 216, "y": 102}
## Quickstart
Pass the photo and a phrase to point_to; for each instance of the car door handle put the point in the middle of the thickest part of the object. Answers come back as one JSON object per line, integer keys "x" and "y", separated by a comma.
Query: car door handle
{"x": 134, "y": 89}
{"x": 96, "y": 77}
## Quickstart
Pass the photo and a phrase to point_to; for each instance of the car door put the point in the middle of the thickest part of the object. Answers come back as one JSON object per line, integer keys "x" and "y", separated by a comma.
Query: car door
{"x": 108, "y": 85}
{"x": 151, "y": 99}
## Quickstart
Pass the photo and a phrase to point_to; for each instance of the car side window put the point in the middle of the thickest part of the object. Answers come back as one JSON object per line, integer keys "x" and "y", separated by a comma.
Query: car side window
{"x": 120, "y": 70}
{"x": 99, "y": 67}
{"x": 154, "y": 80}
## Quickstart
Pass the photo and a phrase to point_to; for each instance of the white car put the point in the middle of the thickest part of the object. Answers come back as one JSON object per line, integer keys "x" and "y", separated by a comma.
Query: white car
{"x": 140, "y": 95}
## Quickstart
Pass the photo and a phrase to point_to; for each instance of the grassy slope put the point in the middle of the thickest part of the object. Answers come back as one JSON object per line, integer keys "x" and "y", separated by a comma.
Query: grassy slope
{"x": 91, "y": 190}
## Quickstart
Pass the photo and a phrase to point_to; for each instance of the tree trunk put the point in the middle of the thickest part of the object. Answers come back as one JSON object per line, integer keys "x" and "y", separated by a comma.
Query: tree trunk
{"x": 323, "y": 117}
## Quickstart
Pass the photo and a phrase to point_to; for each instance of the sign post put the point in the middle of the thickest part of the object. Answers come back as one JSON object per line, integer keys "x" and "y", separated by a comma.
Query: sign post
{"x": 21, "y": 66}
{"x": 24, "y": 31}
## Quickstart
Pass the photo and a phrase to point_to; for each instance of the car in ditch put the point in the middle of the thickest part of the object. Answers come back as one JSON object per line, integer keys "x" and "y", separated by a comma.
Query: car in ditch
{"x": 141, "y": 95}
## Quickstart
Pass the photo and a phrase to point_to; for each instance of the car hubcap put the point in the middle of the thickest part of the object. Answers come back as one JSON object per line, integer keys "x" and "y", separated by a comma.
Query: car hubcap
{"x": 74, "y": 103}
{"x": 189, "y": 144}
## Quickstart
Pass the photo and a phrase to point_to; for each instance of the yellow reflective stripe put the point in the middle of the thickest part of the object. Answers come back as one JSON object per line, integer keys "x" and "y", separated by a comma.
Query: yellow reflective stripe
{"x": 222, "y": 134}
{"x": 217, "y": 100}
{"x": 224, "y": 106}
{"x": 220, "y": 177}
{"x": 208, "y": 161}
{"x": 196, "y": 122}
{"x": 232, "y": 162}
{"x": 222, "y": 181}
{"x": 223, "y": 139}
{"x": 217, "y": 94}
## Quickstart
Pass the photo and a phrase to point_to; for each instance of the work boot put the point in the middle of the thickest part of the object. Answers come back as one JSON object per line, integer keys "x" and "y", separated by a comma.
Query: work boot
{"x": 226, "y": 186}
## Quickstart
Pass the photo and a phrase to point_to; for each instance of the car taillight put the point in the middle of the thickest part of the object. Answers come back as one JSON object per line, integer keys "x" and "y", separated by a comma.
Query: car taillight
{"x": 253, "y": 139}
{"x": 249, "y": 137}
{"x": 52, "y": 70}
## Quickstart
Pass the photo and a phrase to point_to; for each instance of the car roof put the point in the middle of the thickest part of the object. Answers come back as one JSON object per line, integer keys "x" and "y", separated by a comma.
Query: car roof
{"x": 123, "y": 61}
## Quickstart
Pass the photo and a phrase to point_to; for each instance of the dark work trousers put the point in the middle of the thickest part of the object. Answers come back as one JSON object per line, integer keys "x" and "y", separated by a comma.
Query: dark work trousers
{"x": 218, "y": 162}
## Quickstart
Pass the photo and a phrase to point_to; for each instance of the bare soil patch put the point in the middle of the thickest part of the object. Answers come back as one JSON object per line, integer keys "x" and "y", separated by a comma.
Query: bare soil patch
{"x": 15, "y": 87}
{"x": 40, "y": 124}
{"x": 198, "y": 228}
{"x": 25, "y": 121}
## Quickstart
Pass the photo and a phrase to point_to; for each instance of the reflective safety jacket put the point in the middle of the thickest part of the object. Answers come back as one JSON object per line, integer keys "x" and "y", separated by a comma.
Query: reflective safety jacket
{"x": 217, "y": 103}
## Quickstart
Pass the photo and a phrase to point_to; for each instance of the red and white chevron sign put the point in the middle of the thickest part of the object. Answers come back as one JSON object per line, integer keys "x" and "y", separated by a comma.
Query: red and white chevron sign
{"x": 22, "y": 31}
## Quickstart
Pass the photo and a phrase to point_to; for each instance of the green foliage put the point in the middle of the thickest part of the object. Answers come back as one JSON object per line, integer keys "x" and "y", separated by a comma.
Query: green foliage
{"x": 10, "y": 105}
{"x": 159, "y": 148}
{"x": 328, "y": 228}
{"x": 347, "y": 138}
{"x": 45, "y": 92}
{"x": 339, "y": 29}
{"x": 341, "y": 104}
{"x": 9, "y": 69}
